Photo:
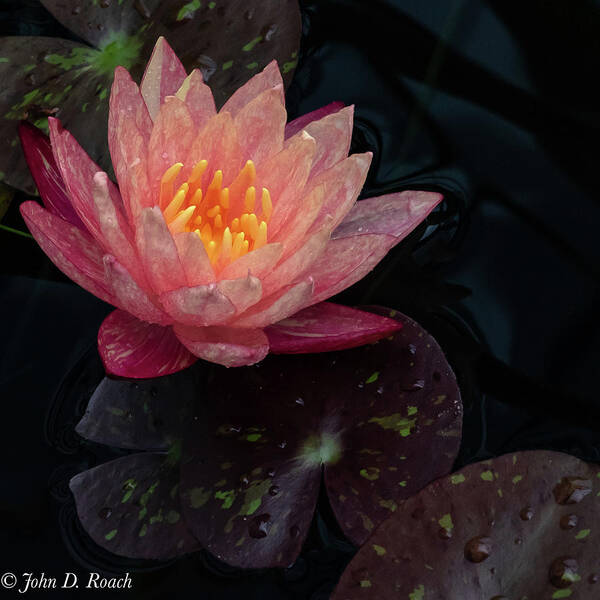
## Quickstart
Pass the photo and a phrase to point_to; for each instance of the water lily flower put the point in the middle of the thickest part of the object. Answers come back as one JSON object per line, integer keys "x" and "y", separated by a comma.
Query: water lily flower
{"x": 228, "y": 229}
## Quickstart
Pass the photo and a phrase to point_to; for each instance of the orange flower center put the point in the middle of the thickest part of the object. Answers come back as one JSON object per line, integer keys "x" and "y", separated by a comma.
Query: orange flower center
{"x": 227, "y": 233}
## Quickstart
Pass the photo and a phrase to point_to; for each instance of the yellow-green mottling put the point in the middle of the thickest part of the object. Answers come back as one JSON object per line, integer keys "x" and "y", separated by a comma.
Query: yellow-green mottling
{"x": 487, "y": 476}
{"x": 562, "y": 594}
{"x": 370, "y": 451}
{"x": 110, "y": 535}
{"x": 228, "y": 497}
{"x": 418, "y": 593}
{"x": 199, "y": 497}
{"x": 143, "y": 530}
{"x": 456, "y": 479}
{"x": 373, "y": 378}
{"x": 396, "y": 422}
{"x": 227, "y": 65}
{"x": 370, "y": 473}
{"x": 402, "y": 483}
{"x": 365, "y": 583}
{"x": 250, "y": 45}
{"x": 389, "y": 504}
{"x": 172, "y": 517}
{"x": 446, "y": 522}
{"x": 500, "y": 493}
{"x": 288, "y": 66}
{"x": 157, "y": 518}
{"x": 226, "y": 465}
{"x": 187, "y": 10}
{"x": 412, "y": 410}
{"x": 582, "y": 534}
{"x": 220, "y": 483}
{"x": 3, "y": 59}
{"x": 517, "y": 478}
{"x": 253, "y": 437}
{"x": 379, "y": 550}
{"x": 252, "y": 65}
{"x": 211, "y": 5}
{"x": 129, "y": 486}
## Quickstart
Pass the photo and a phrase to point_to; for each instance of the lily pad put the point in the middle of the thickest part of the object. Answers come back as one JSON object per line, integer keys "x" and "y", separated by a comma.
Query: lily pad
{"x": 525, "y": 525}
{"x": 145, "y": 414}
{"x": 382, "y": 420}
{"x": 130, "y": 506}
{"x": 229, "y": 40}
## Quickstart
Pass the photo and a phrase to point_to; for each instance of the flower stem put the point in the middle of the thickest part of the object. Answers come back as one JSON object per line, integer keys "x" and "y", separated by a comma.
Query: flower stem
{"x": 16, "y": 231}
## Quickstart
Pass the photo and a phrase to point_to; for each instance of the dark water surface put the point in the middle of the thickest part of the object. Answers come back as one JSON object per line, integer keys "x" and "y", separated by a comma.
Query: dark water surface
{"x": 491, "y": 103}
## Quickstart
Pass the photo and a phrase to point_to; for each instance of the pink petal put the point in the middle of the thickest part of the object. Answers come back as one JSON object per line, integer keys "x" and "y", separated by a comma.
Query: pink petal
{"x": 258, "y": 263}
{"x": 333, "y": 135}
{"x": 170, "y": 142}
{"x": 116, "y": 233}
{"x": 218, "y": 144}
{"x": 163, "y": 76}
{"x": 78, "y": 171}
{"x": 325, "y": 327}
{"x": 301, "y": 122}
{"x": 293, "y": 232}
{"x": 285, "y": 176}
{"x": 198, "y": 98}
{"x": 269, "y": 78}
{"x": 130, "y": 297}
{"x": 225, "y": 345}
{"x": 343, "y": 182}
{"x": 393, "y": 214}
{"x": 278, "y": 306}
{"x": 131, "y": 348}
{"x": 46, "y": 174}
{"x": 158, "y": 252}
{"x": 194, "y": 260}
{"x": 243, "y": 292}
{"x": 345, "y": 261}
{"x": 72, "y": 250}
{"x": 260, "y": 125}
{"x": 298, "y": 263}
{"x": 198, "y": 306}
{"x": 129, "y": 129}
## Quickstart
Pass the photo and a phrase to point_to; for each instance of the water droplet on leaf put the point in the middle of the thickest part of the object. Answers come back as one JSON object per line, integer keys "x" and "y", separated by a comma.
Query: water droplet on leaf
{"x": 478, "y": 549}
{"x": 571, "y": 490}
{"x": 563, "y": 572}
{"x": 568, "y": 521}
{"x": 105, "y": 512}
{"x": 526, "y": 513}
{"x": 274, "y": 490}
{"x": 259, "y": 526}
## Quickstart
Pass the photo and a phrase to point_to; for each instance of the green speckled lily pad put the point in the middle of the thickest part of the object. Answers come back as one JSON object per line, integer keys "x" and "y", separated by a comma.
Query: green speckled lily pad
{"x": 525, "y": 525}
{"x": 382, "y": 421}
{"x": 230, "y": 40}
{"x": 131, "y": 507}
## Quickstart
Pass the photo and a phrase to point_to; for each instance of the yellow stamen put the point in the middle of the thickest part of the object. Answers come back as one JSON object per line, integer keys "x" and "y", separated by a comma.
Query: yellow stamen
{"x": 206, "y": 233}
{"x": 261, "y": 237}
{"x": 197, "y": 172}
{"x": 238, "y": 245}
{"x": 211, "y": 250}
{"x": 226, "y": 244}
{"x": 177, "y": 225}
{"x": 175, "y": 204}
{"x": 224, "y": 199}
{"x": 218, "y": 221}
{"x": 166, "y": 183}
{"x": 250, "y": 199}
{"x": 213, "y": 212}
{"x": 267, "y": 205}
{"x": 198, "y": 221}
{"x": 235, "y": 225}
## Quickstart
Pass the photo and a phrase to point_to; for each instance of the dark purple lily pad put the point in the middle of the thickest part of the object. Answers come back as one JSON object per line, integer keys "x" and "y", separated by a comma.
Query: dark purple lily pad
{"x": 383, "y": 420}
{"x": 144, "y": 414}
{"x": 525, "y": 525}
{"x": 130, "y": 506}
{"x": 6, "y": 196}
{"x": 229, "y": 40}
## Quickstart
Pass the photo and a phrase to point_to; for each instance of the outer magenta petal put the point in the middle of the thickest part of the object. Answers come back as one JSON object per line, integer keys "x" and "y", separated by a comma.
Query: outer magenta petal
{"x": 72, "y": 250}
{"x": 46, "y": 174}
{"x": 260, "y": 125}
{"x": 129, "y": 129}
{"x": 132, "y": 348}
{"x": 325, "y": 327}
{"x": 225, "y": 345}
{"x": 78, "y": 171}
{"x": 198, "y": 306}
{"x": 392, "y": 214}
{"x": 268, "y": 78}
{"x": 198, "y": 98}
{"x": 301, "y": 122}
{"x": 130, "y": 297}
{"x": 163, "y": 76}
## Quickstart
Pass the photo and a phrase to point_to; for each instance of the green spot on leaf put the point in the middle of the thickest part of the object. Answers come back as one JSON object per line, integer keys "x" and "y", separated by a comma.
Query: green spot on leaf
{"x": 252, "y": 65}
{"x": 173, "y": 516}
{"x": 418, "y": 593}
{"x": 187, "y": 10}
{"x": 373, "y": 378}
{"x": 143, "y": 530}
{"x": 370, "y": 473}
{"x": 199, "y": 497}
{"x": 487, "y": 476}
{"x": 365, "y": 583}
{"x": 446, "y": 522}
{"x": 228, "y": 497}
{"x": 227, "y": 65}
{"x": 379, "y": 550}
{"x": 396, "y": 422}
{"x": 253, "y": 437}
{"x": 583, "y": 534}
{"x": 562, "y": 593}
{"x": 412, "y": 410}
{"x": 248, "y": 47}
{"x": 517, "y": 478}
{"x": 456, "y": 479}
{"x": 110, "y": 535}
{"x": 288, "y": 66}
